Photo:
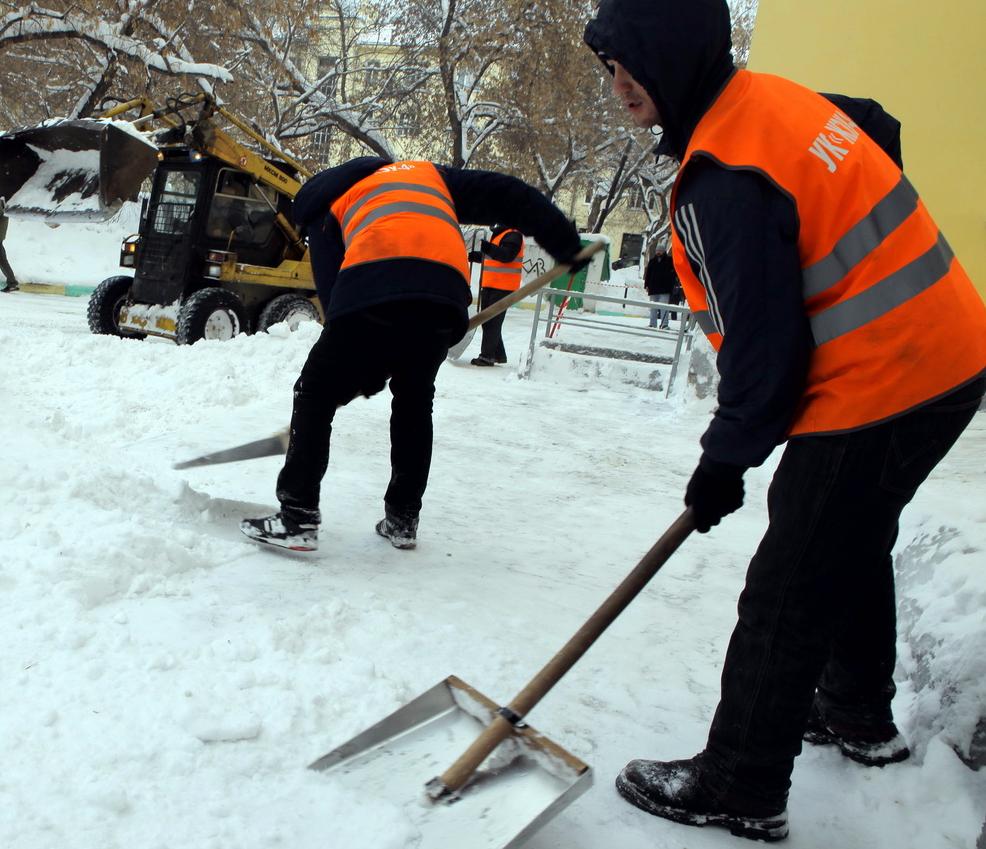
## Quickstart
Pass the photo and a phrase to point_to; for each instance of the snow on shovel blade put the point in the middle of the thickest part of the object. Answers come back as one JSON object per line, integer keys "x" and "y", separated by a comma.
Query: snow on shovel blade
{"x": 525, "y": 782}
{"x": 80, "y": 170}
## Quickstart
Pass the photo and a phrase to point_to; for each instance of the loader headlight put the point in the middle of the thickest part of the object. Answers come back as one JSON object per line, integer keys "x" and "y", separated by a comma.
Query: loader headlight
{"x": 214, "y": 261}
{"x": 128, "y": 252}
{"x": 195, "y": 156}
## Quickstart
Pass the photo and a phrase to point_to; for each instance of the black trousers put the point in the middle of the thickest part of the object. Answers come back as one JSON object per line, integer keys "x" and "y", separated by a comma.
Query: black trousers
{"x": 818, "y": 608}
{"x": 492, "y": 344}
{"x": 5, "y": 269}
{"x": 356, "y": 354}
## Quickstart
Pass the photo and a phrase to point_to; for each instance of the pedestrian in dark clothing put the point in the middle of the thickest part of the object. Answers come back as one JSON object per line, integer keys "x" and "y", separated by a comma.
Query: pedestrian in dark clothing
{"x": 811, "y": 266}
{"x": 392, "y": 274}
{"x": 11, "y": 284}
{"x": 503, "y": 269}
{"x": 660, "y": 281}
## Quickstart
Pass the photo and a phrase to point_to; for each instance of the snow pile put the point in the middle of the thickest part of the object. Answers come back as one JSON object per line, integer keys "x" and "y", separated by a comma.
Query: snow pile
{"x": 942, "y": 622}
{"x": 165, "y": 683}
{"x": 80, "y": 254}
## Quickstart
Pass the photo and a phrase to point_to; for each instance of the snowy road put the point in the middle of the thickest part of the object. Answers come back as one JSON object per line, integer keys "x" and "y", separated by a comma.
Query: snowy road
{"x": 164, "y": 682}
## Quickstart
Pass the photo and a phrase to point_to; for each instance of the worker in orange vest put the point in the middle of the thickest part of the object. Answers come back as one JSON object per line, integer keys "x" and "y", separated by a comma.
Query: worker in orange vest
{"x": 503, "y": 270}
{"x": 392, "y": 274}
{"x": 815, "y": 270}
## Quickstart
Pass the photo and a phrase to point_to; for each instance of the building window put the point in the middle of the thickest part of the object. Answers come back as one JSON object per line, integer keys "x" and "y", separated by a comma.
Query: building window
{"x": 320, "y": 144}
{"x": 327, "y": 66}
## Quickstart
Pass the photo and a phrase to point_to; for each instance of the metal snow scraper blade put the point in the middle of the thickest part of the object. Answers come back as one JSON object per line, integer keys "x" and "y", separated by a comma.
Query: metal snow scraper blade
{"x": 504, "y": 304}
{"x": 510, "y": 779}
{"x": 276, "y": 444}
{"x": 73, "y": 170}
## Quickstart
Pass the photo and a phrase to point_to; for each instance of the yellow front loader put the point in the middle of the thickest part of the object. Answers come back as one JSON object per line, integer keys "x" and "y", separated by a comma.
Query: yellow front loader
{"x": 215, "y": 254}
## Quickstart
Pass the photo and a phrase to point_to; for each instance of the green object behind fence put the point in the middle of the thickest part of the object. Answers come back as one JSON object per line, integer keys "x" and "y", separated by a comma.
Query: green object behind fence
{"x": 578, "y": 284}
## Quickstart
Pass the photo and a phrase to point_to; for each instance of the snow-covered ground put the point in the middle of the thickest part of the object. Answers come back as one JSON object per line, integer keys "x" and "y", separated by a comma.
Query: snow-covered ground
{"x": 165, "y": 683}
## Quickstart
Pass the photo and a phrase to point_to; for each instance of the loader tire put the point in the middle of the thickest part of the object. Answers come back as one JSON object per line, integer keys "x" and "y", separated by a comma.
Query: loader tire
{"x": 211, "y": 313}
{"x": 293, "y": 309}
{"x": 103, "y": 312}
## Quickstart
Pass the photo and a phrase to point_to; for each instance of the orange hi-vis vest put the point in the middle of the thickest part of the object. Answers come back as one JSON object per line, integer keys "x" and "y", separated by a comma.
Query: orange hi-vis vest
{"x": 401, "y": 211}
{"x": 895, "y": 319}
{"x": 503, "y": 275}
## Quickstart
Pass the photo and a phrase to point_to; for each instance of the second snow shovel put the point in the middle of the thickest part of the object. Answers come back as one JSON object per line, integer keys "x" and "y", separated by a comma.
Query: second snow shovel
{"x": 507, "y": 781}
{"x": 278, "y": 443}
{"x": 504, "y": 304}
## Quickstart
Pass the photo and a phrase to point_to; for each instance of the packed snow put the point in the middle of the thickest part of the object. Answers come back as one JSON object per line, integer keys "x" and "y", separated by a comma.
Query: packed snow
{"x": 166, "y": 683}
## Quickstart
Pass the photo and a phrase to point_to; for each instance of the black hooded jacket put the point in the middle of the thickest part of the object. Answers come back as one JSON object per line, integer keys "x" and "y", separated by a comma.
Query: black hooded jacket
{"x": 680, "y": 52}
{"x": 480, "y": 197}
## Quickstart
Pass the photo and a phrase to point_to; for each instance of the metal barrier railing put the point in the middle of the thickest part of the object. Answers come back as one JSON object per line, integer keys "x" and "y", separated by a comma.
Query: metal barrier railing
{"x": 682, "y": 336}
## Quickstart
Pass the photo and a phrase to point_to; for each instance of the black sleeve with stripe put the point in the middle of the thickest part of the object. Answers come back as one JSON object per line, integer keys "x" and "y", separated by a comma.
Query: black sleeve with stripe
{"x": 740, "y": 234}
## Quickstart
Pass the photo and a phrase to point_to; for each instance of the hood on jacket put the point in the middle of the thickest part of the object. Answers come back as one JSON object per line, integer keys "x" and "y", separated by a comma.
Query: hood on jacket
{"x": 680, "y": 51}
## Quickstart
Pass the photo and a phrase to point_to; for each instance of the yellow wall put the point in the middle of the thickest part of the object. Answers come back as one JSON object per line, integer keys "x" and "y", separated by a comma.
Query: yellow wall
{"x": 926, "y": 64}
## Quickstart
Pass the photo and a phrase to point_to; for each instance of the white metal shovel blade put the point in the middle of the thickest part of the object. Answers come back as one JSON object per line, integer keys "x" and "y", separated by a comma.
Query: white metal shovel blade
{"x": 459, "y": 348}
{"x": 527, "y": 780}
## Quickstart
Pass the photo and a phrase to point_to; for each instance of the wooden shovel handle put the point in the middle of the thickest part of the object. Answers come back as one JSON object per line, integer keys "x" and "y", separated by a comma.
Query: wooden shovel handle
{"x": 530, "y": 288}
{"x": 459, "y": 773}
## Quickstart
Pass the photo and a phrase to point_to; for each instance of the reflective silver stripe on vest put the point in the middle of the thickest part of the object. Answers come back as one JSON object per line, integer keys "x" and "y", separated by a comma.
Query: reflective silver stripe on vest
{"x": 882, "y": 297}
{"x": 864, "y": 237}
{"x": 705, "y": 321}
{"x": 493, "y": 269}
{"x": 400, "y": 206}
{"x": 387, "y": 187}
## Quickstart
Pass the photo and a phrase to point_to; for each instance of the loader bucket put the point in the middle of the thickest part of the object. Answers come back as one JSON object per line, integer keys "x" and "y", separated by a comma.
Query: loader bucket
{"x": 80, "y": 170}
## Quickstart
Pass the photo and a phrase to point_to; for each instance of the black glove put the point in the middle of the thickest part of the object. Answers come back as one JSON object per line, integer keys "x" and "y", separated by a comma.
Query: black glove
{"x": 715, "y": 491}
{"x": 475, "y": 256}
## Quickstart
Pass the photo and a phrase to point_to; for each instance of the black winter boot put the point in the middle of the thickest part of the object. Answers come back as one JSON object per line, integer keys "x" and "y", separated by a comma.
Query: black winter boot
{"x": 400, "y": 528}
{"x": 674, "y": 790}
{"x": 869, "y": 741}
{"x": 482, "y": 361}
{"x": 282, "y": 531}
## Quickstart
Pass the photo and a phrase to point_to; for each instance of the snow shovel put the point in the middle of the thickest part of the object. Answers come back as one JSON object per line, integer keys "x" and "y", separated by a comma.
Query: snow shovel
{"x": 504, "y": 304}
{"x": 78, "y": 170}
{"x": 278, "y": 443}
{"x": 267, "y": 447}
{"x": 510, "y": 779}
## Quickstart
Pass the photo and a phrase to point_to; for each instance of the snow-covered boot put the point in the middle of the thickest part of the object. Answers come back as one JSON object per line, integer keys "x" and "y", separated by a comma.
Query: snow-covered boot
{"x": 400, "y": 528}
{"x": 282, "y": 531}
{"x": 674, "y": 790}
{"x": 871, "y": 742}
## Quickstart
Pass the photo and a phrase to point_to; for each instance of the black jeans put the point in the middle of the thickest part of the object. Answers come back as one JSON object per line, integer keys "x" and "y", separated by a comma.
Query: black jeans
{"x": 492, "y": 344}
{"x": 818, "y": 608}
{"x": 356, "y": 354}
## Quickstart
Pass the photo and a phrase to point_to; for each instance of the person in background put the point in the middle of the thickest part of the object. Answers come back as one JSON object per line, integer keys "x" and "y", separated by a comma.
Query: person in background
{"x": 392, "y": 273}
{"x": 11, "y": 284}
{"x": 660, "y": 281}
{"x": 503, "y": 269}
{"x": 812, "y": 265}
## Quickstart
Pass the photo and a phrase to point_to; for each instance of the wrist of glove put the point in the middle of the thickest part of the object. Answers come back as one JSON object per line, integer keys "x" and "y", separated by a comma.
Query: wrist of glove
{"x": 475, "y": 256}
{"x": 714, "y": 491}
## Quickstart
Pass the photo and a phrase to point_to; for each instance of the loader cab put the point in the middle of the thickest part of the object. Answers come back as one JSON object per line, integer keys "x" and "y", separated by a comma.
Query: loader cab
{"x": 197, "y": 205}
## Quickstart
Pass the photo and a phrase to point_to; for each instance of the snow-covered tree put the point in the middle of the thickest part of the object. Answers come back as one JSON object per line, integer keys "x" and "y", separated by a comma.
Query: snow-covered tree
{"x": 66, "y": 58}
